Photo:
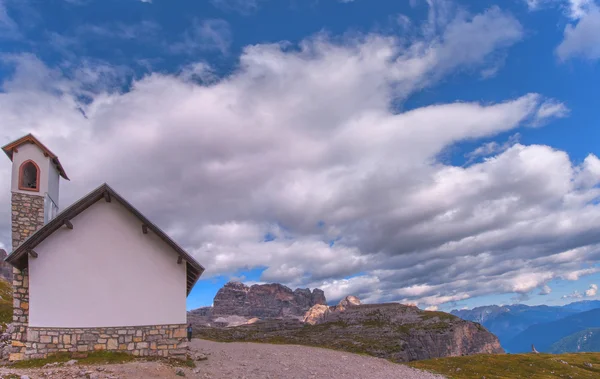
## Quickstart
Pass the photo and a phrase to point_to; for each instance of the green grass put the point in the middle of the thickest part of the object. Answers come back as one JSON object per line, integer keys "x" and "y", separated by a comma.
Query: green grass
{"x": 95, "y": 358}
{"x": 515, "y": 366}
{"x": 99, "y": 358}
{"x": 6, "y": 303}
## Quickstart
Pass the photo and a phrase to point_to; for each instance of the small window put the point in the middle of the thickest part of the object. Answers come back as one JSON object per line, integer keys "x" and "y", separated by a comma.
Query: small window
{"x": 29, "y": 176}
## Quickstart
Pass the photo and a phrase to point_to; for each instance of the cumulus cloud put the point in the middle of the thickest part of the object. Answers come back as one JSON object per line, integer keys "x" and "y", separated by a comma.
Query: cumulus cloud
{"x": 592, "y": 291}
{"x": 582, "y": 38}
{"x": 302, "y": 145}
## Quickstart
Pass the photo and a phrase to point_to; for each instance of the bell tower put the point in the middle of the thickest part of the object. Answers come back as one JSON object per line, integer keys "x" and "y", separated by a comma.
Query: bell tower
{"x": 36, "y": 172}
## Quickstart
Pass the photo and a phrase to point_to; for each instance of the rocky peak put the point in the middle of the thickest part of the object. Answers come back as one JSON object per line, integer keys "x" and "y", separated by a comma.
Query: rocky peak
{"x": 264, "y": 300}
{"x": 348, "y": 302}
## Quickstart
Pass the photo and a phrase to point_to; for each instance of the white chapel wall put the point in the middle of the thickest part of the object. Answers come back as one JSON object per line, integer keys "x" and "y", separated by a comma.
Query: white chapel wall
{"x": 105, "y": 272}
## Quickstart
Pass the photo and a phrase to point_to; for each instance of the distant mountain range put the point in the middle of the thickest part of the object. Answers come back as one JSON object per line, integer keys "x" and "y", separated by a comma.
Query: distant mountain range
{"x": 587, "y": 340}
{"x": 549, "y": 328}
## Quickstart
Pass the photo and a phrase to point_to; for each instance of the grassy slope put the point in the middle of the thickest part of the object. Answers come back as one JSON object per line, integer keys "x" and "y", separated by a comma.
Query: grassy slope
{"x": 514, "y": 366}
{"x": 6, "y": 303}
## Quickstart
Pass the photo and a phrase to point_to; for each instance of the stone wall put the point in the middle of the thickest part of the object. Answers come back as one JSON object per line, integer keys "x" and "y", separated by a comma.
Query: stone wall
{"x": 156, "y": 340}
{"x": 27, "y": 217}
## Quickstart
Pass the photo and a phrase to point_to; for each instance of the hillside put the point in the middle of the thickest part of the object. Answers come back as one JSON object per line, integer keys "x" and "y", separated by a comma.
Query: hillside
{"x": 519, "y": 366}
{"x": 587, "y": 340}
{"x": 544, "y": 335}
{"x": 6, "y": 303}
{"x": 393, "y": 331}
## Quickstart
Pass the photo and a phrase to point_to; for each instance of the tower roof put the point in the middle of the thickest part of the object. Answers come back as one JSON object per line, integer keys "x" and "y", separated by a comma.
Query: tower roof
{"x": 29, "y": 138}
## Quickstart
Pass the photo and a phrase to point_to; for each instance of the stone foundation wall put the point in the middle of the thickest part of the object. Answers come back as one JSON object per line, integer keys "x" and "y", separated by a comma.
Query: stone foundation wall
{"x": 156, "y": 341}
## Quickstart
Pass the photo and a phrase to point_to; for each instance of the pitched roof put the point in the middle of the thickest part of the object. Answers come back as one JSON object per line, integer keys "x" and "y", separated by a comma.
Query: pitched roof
{"x": 29, "y": 138}
{"x": 18, "y": 257}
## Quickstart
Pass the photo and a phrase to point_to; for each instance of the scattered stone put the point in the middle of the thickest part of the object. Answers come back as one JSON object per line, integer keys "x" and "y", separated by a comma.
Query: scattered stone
{"x": 563, "y": 362}
{"x": 458, "y": 369}
{"x": 179, "y": 372}
{"x": 24, "y": 377}
{"x": 588, "y": 364}
{"x": 200, "y": 357}
{"x": 71, "y": 362}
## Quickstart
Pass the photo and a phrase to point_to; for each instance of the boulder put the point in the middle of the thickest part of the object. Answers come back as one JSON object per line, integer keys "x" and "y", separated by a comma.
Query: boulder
{"x": 316, "y": 314}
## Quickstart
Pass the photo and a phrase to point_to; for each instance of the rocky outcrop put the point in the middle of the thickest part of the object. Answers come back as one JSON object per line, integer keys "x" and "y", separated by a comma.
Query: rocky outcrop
{"x": 348, "y": 302}
{"x": 318, "y": 313}
{"x": 264, "y": 301}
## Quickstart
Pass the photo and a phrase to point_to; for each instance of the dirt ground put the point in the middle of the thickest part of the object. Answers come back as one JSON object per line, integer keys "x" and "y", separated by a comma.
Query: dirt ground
{"x": 241, "y": 361}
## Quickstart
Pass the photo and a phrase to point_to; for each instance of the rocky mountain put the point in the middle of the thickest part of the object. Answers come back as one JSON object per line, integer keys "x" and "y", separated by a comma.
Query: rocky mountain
{"x": 546, "y": 334}
{"x": 237, "y": 304}
{"x": 508, "y": 321}
{"x": 264, "y": 300}
{"x": 587, "y": 340}
{"x": 394, "y": 331}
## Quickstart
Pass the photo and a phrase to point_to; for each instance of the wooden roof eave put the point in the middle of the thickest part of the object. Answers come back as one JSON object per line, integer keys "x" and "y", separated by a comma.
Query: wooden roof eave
{"x": 19, "y": 259}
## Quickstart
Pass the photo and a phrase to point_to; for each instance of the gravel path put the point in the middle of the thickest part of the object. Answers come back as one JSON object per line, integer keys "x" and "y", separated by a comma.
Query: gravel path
{"x": 238, "y": 360}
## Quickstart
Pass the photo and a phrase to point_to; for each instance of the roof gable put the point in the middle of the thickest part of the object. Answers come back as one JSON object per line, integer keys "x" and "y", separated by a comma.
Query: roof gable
{"x": 29, "y": 138}
{"x": 19, "y": 259}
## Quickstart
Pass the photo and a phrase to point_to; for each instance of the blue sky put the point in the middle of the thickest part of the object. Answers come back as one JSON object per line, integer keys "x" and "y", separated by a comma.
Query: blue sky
{"x": 438, "y": 152}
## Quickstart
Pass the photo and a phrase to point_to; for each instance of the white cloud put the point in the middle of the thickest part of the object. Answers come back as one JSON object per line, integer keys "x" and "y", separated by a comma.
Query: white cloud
{"x": 491, "y": 148}
{"x": 583, "y": 38}
{"x": 304, "y": 145}
{"x": 592, "y": 291}
{"x": 432, "y": 308}
{"x": 205, "y": 35}
{"x": 550, "y": 109}
{"x": 579, "y": 8}
{"x": 574, "y": 295}
{"x": 545, "y": 290}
